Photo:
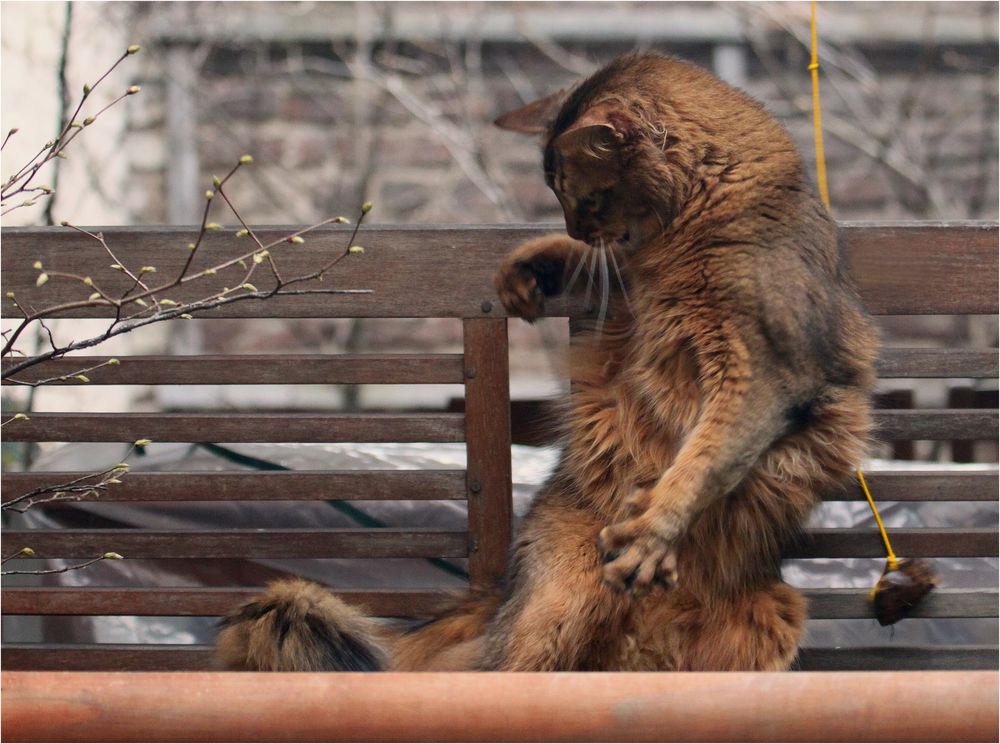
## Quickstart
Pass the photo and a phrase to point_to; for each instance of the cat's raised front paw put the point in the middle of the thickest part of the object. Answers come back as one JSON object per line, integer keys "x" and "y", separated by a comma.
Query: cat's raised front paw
{"x": 518, "y": 290}
{"x": 637, "y": 554}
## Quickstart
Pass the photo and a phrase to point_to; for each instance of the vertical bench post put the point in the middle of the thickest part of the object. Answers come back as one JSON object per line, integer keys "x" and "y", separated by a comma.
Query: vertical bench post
{"x": 487, "y": 436}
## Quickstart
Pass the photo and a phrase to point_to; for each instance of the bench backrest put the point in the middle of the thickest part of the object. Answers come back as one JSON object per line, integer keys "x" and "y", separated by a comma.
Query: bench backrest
{"x": 442, "y": 272}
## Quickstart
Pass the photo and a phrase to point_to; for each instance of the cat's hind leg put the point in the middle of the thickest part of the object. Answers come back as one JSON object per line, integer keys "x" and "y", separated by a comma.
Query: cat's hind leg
{"x": 758, "y": 630}
{"x": 560, "y": 615}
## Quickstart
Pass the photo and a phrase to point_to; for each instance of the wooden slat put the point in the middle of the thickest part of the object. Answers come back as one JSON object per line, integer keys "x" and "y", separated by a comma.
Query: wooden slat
{"x": 902, "y": 658}
{"x": 923, "y": 485}
{"x": 936, "y": 424}
{"x": 855, "y": 542}
{"x": 412, "y": 369}
{"x": 237, "y": 427}
{"x": 901, "y": 268}
{"x": 206, "y": 602}
{"x": 924, "y": 268}
{"x": 327, "y": 485}
{"x": 196, "y": 602}
{"x": 385, "y": 543}
{"x": 975, "y": 363}
{"x": 138, "y": 657}
{"x": 243, "y": 543}
{"x": 253, "y": 369}
{"x": 838, "y": 604}
{"x": 426, "y": 485}
{"x": 170, "y": 657}
{"x": 487, "y": 425}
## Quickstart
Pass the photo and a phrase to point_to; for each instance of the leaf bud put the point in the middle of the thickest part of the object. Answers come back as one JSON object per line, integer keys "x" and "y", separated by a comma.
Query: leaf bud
{"x": 246, "y": 160}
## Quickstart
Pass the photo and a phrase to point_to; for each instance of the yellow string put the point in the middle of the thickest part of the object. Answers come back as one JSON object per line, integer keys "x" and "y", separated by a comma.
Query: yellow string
{"x": 824, "y": 193}
{"x": 892, "y": 561}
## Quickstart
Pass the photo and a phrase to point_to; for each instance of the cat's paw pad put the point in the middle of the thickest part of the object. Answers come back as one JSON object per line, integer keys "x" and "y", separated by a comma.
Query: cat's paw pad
{"x": 636, "y": 557}
{"x": 519, "y": 292}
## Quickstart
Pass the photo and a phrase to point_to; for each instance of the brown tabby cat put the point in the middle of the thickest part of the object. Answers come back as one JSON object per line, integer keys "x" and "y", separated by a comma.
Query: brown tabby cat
{"x": 726, "y": 388}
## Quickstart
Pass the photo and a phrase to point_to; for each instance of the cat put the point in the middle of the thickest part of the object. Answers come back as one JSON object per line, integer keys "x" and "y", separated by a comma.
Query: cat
{"x": 723, "y": 388}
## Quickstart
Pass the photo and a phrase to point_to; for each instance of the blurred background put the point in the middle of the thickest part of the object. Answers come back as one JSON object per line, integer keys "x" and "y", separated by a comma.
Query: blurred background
{"x": 341, "y": 102}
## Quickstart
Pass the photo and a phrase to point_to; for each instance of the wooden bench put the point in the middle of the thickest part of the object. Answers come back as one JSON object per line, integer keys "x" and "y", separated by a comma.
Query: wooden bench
{"x": 446, "y": 272}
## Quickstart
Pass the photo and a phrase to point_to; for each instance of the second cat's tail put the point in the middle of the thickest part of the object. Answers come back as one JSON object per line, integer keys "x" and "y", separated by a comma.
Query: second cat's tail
{"x": 298, "y": 626}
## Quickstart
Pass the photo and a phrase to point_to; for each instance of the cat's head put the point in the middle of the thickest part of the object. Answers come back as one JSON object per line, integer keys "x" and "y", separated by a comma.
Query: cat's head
{"x": 585, "y": 165}
{"x": 626, "y": 149}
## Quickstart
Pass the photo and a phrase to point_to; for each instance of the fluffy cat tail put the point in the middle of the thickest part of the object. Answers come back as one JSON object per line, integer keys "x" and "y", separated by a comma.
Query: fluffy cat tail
{"x": 298, "y": 626}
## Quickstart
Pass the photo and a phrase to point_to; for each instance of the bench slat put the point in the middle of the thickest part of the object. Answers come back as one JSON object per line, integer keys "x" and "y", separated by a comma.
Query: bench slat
{"x": 237, "y": 427}
{"x": 206, "y": 602}
{"x": 253, "y": 369}
{"x": 169, "y": 657}
{"x": 897, "y": 658}
{"x": 860, "y": 542}
{"x": 243, "y": 543}
{"x": 424, "y": 485}
{"x": 196, "y": 602}
{"x": 928, "y": 363}
{"x": 935, "y": 424}
{"x": 410, "y": 369}
{"x": 387, "y": 427}
{"x": 916, "y": 268}
{"x": 326, "y": 485}
{"x": 833, "y": 542}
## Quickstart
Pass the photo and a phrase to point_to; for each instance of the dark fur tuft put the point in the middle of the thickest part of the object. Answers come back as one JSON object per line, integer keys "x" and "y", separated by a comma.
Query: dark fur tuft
{"x": 298, "y": 626}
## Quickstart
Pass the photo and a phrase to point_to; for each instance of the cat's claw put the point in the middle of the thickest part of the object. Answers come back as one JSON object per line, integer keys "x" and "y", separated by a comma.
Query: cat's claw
{"x": 519, "y": 293}
{"x": 636, "y": 557}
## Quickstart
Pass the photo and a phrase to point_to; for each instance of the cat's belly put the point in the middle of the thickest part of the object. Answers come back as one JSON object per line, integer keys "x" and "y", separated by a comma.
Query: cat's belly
{"x": 626, "y": 424}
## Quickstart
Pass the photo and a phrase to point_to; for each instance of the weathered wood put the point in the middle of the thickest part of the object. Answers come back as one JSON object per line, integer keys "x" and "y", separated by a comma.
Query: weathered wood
{"x": 923, "y": 268}
{"x": 237, "y": 427}
{"x": 936, "y": 424}
{"x": 923, "y": 485}
{"x": 162, "y": 657}
{"x": 448, "y": 271}
{"x": 500, "y": 706}
{"x": 210, "y": 602}
{"x": 253, "y": 369}
{"x": 837, "y": 604}
{"x": 426, "y": 485}
{"x": 487, "y": 428}
{"x": 197, "y": 602}
{"x": 926, "y": 363}
{"x": 834, "y": 542}
{"x": 243, "y": 543}
{"x": 896, "y": 658}
{"x": 857, "y": 542}
{"x": 326, "y": 485}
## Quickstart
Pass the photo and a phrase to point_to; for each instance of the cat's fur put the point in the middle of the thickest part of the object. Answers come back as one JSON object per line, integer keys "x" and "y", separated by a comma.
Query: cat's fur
{"x": 726, "y": 389}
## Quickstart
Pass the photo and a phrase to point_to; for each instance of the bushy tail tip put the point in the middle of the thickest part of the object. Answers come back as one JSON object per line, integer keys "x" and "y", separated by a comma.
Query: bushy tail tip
{"x": 298, "y": 626}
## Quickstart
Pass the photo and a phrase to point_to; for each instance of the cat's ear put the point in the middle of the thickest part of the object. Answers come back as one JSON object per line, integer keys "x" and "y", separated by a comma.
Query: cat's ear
{"x": 596, "y": 140}
{"x": 535, "y": 117}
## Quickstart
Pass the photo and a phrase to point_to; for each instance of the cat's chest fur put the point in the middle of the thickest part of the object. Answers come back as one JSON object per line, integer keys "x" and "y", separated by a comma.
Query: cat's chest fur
{"x": 635, "y": 398}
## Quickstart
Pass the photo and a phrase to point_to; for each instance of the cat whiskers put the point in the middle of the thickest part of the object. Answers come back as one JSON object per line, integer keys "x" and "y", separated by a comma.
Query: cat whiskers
{"x": 579, "y": 267}
{"x": 621, "y": 282}
{"x": 605, "y": 287}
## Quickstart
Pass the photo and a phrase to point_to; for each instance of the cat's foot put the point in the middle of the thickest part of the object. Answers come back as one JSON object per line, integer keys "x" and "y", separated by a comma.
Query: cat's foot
{"x": 640, "y": 552}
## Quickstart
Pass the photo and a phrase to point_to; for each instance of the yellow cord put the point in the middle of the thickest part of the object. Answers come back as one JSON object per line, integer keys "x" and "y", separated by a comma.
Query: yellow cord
{"x": 824, "y": 193}
{"x": 892, "y": 562}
